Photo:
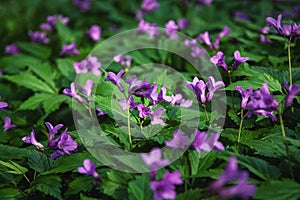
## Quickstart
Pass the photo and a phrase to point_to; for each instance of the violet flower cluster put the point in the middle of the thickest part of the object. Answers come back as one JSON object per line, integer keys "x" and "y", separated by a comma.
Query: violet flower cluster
{"x": 196, "y": 51}
{"x": 259, "y": 102}
{"x": 219, "y": 60}
{"x": 148, "y": 28}
{"x": 199, "y": 88}
{"x": 7, "y": 124}
{"x": 144, "y": 89}
{"x": 203, "y": 142}
{"x": 292, "y": 90}
{"x": 89, "y": 168}
{"x": 83, "y": 5}
{"x": 288, "y": 30}
{"x": 91, "y": 64}
{"x": 61, "y": 145}
{"x": 50, "y": 23}
{"x": 124, "y": 61}
{"x": 205, "y": 38}
{"x": 12, "y": 49}
{"x": 147, "y": 7}
{"x": 69, "y": 49}
{"x": 94, "y": 32}
{"x": 3, "y": 105}
{"x": 241, "y": 189}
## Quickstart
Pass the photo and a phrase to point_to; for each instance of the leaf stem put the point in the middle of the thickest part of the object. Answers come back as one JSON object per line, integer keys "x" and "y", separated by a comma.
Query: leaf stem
{"x": 289, "y": 58}
{"x": 230, "y": 81}
{"x": 26, "y": 178}
{"x": 206, "y": 115}
{"x": 128, "y": 126}
{"x": 241, "y": 125}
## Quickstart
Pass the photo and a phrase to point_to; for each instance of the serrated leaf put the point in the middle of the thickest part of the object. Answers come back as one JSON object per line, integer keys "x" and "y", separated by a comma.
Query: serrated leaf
{"x": 35, "y": 49}
{"x": 37, "y": 161}
{"x": 64, "y": 32}
{"x": 49, "y": 185}
{"x": 259, "y": 167}
{"x": 82, "y": 183}
{"x": 16, "y": 62}
{"x": 53, "y": 102}
{"x": 9, "y": 152}
{"x": 195, "y": 194}
{"x": 279, "y": 190}
{"x": 65, "y": 66}
{"x": 139, "y": 188}
{"x": 83, "y": 197}
{"x": 34, "y": 101}
{"x": 16, "y": 168}
{"x": 9, "y": 193}
{"x": 30, "y": 81}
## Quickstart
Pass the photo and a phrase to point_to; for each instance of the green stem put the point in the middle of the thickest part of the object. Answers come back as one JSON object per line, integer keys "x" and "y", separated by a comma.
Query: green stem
{"x": 241, "y": 125}
{"x": 186, "y": 165}
{"x": 128, "y": 125}
{"x": 289, "y": 58}
{"x": 26, "y": 178}
{"x": 206, "y": 115}
{"x": 281, "y": 125}
{"x": 230, "y": 81}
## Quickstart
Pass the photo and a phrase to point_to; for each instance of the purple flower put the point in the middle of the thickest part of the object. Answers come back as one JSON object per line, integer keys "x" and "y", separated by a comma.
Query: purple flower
{"x": 31, "y": 140}
{"x": 66, "y": 143}
{"x": 242, "y": 189}
{"x": 203, "y": 142}
{"x": 50, "y": 23}
{"x": 123, "y": 60}
{"x": 83, "y": 5}
{"x": 115, "y": 79}
{"x": 171, "y": 29}
{"x": 186, "y": 103}
{"x": 89, "y": 168}
{"x": 178, "y": 142}
{"x": 69, "y": 49}
{"x": 219, "y": 60}
{"x": 165, "y": 189}
{"x": 226, "y": 31}
{"x": 52, "y": 132}
{"x": 130, "y": 104}
{"x": 38, "y": 37}
{"x": 100, "y": 112}
{"x": 196, "y": 51}
{"x": 241, "y": 15}
{"x": 7, "y": 124}
{"x": 262, "y": 103}
{"x": 205, "y": 38}
{"x": 91, "y": 64}
{"x": 95, "y": 32}
{"x": 72, "y": 93}
{"x": 87, "y": 88}
{"x": 154, "y": 159}
{"x": 149, "y": 5}
{"x": 138, "y": 87}
{"x": 293, "y": 90}
{"x": 3, "y": 105}
{"x": 285, "y": 29}
{"x": 12, "y": 49}
{"x": 156, "y": 117}
{"x": 150, "y": 29}
{"x": 238, "y": 59}
{"x": 198, "y": 87}
{"x": 182, "y": 23}
{"x": 264, "y": 39}
{"x": 246, "y": 94}
{"x": 143, "y": 111}
{"x": 56, "y": 154}
{"x": 213, "y": 87}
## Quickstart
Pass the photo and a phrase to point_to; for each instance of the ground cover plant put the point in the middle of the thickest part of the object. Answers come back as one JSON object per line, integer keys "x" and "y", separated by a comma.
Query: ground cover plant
{"x": 150, "y": 99}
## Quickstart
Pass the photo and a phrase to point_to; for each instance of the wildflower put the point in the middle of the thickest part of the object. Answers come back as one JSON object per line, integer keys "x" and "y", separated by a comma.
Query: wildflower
{"x": 12, "y": 49}
{"x": 196, "y": 51}
{"x": 241, "y": 189}
{"x": 198, "y": 87}
{"x": 50, "y": 23}
{"x": 150, "y": 29}
{"x": 100, "y": 112}
{"x": 87, "y": 88}
{"x": 205, "y": 38}
{"x": 115, "y": 79}
{"x": 206, "y": 2}
{"x": 31, "y": 140}
{"x": 123, "y": 60}
{"x": 156, "y": 117}
{"x": 149, "y": 5}
{"x": 238, "y": 60}
{"x": 7, "y": 124}
{"x": 283, "y": 29}
{"x": 241, "y": 15}
{"x": 171, "y": 29}
{"x": 157, "y": 97}
{"x": 89, "y": 168}
{"x": 143, "y": 111}
{"x": 154, "y": 159}
{"x": 182, "y": 23}
{"x": 38, "y": 37}
{"x": 262, "y": 103}
{"x": 83, "y": 5}
{"x": 91, "y": 64}
{"x": 219, "y": 60}
{"x": 69, "y": 49}
{"x": 52, "y": 132}
{"x": 3, "y": 105}
{"x": 95, "y": 32}
{"x": 206, "y": 143}
{"x": 264, "y": 39}
{"x": 130, "y": 104}
{"x": 66, "y": 143}
{"x": 213, "y": 87}
{"x": 293, "y": 90}
{"x": 72, "y": 93}
{"x": 246, "y": 94}
{"x": 165, "y": 188}
{"x": 178, "y": 142}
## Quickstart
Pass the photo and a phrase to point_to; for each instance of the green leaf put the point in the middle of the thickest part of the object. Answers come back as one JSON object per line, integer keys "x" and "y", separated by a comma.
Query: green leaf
{"x": 115, "y": 181}
{"x": 83, "y": 197}
{"x": 29, "y": 81}
{"x": 37, "y": 161}
{"x": 66, "y": 68}
{"x": 8, "y": 152}
{"x": 64, "y": 32}
{"x": 53, "y": 102}
{"x": 194, "y": 161}
{"x": 81, "y": 183}
{"x": 9, "y": 193}
{"x": 139, "y": 188}
{"x": 259, "y": 167}
{"x": 195, "y": 194}
{"x": 16, "y": 168}
{"x": 13, "y": 63}
{"x": 34, "y": 101}
{"x": 35, "y": 49}
{"x": 49, "y": 185}
{"x": 279, "y": 190}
